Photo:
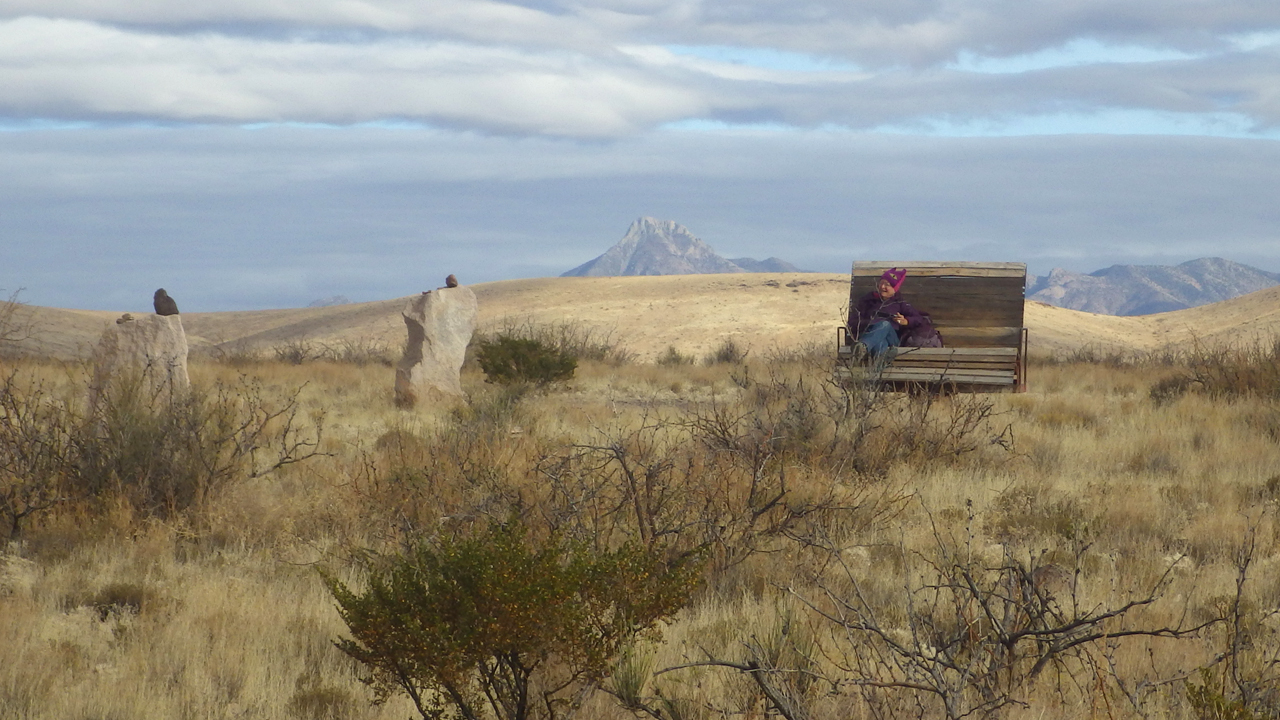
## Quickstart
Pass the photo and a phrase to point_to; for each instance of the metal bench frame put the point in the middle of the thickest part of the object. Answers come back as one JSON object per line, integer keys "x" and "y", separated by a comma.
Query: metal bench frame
{"x": 978, "y": 308}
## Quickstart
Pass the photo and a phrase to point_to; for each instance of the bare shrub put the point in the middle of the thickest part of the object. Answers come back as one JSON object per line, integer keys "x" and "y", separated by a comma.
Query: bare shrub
{"x": 1251, "y": 370}
{"x": 16, "y": 324}
{"x": 967, "y": 635}
{"x": 163, "y": 454}
{"x": 167, "y": 457}
{"x": 234, "y": 353}
{"x": 36, "y": 450}
{"x": 1090, "y": 354}
{"x": 730, "y": 480}
{"x": 1244, "y": 679}
{"x": 297, "y": 351}
{"x": 860, "y": 427}
{"x": 782, "y": 662}
{"x": 728, "y": 352}
{"x": 359, "y": 353}
{"x": 418, "y": 482}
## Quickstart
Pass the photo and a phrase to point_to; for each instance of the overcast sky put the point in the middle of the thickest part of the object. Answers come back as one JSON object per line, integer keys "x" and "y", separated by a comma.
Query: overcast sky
{"x": 248, "y": 154}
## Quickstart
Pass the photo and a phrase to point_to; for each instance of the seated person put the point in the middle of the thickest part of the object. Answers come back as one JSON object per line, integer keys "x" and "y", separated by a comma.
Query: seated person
{"x": 881, "y": 317}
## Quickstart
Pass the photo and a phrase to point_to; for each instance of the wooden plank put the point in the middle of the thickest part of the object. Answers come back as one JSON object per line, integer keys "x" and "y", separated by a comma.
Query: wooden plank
{"x": 937, "y": 372}
{"x": 937, "y": 264}
{"x": 979, "y": 337}
{"x": 945, "y": 268}
{"x": 962, "y": 384}
{"x": 977, "y": 360}
{"x": 893, "y": 376}
{"x": 991, "y": 302}
{"x": 944, "y": 352}
{"x": 961, "y": 288}
{"x": 972, "y": 285}
{"x": 926, "y": 363}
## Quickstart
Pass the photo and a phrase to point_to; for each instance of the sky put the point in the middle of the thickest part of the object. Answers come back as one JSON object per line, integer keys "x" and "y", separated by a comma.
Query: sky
{"x": 252, "y": 154}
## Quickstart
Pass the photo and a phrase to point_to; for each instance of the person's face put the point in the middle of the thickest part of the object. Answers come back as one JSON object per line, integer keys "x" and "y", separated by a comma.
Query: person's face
{"x": 884, "y": 288}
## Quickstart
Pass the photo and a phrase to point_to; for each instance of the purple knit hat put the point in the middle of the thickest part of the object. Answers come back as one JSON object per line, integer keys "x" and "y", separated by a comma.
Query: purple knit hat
{"x": 895, "y": 276}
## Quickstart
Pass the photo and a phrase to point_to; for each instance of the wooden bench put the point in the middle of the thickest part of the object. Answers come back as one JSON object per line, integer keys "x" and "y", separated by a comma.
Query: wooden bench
{"x": 977, "y": 307}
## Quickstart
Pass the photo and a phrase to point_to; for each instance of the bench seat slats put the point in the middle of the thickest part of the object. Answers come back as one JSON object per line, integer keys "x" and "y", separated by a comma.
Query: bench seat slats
{"x": 958, "y": 366}
{"x": 927, "y": 373}
{"x": 894, "y": 376}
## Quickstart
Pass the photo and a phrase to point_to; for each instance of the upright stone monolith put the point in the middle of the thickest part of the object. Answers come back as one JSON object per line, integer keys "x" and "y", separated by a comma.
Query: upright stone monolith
{"x": 150, "y": 351}
{"x": 440, "y": 324}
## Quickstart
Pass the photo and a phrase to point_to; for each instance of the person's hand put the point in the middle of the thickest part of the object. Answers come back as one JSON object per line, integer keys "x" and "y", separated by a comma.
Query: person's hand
{"x": 900, "y": 319}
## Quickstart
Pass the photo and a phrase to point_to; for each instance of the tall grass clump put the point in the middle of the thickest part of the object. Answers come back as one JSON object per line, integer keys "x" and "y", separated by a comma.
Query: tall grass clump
{"x": 727, "y": 352}
{"x": 674, "y": 358}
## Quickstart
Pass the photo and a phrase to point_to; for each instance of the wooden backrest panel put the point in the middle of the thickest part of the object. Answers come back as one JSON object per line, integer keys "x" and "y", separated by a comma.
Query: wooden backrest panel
{"x": 966, "y": 296}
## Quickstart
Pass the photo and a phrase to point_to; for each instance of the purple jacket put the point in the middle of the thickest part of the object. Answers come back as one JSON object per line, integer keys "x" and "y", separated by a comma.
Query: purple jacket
{"x": 871, "y": 309}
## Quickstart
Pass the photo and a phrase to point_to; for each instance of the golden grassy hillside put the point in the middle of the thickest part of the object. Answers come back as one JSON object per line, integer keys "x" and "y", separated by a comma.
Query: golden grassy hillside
{"x": 646, "y": 315}
{"x": 875, "y": 554}
{"x": 1104, "y": 545}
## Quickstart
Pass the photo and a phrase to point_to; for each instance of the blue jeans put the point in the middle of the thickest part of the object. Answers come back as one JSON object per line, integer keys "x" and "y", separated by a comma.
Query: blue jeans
{"x": 879, "y": 337}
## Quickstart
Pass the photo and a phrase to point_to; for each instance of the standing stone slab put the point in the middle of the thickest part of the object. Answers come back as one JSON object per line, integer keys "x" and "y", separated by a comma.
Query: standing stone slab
{"x": 440, "y": 325}
{"x": 151, "y": 350}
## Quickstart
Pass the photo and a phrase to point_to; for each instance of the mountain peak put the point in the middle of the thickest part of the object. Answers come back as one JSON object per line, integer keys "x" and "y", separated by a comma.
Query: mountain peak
{"x": 656, "y": 247}
{"x": 1147, "y": 289}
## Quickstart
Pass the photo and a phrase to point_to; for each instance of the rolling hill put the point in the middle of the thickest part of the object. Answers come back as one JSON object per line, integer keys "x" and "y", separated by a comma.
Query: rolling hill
{"x": 646, "y": 314}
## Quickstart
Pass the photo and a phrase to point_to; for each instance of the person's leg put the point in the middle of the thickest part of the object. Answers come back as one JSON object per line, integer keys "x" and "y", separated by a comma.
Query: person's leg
{"x": 879, "y": 337}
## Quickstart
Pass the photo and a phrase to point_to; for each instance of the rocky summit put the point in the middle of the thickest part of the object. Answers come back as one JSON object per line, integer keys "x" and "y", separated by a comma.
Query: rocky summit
{"x": 664, "y": 247}
{"x": 1149, "y": 289}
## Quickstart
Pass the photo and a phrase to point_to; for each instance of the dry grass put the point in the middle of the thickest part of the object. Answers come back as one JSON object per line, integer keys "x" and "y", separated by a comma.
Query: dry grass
{"x": 107, "y": 613}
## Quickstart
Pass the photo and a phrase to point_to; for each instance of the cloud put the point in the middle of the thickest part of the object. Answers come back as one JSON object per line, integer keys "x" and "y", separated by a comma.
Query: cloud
{"x": 100, "y": 219}
{"x": 202, "y": 141}
{"x": 77, "y": 70}
{"x": 615, "y": 68}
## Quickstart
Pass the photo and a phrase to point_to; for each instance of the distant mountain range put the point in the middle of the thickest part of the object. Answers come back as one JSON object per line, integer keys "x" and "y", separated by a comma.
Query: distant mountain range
{"x": 330, "y": 301}
{"x": 1148, "y": 289}
{"x": 664, "y": 247}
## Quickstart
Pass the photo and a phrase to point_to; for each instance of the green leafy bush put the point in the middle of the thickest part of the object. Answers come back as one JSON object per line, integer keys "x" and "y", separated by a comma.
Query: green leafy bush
{"x": 507, "y": 360}
{"x": 582, "y": 341}
{"x": 499, "y": 621}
